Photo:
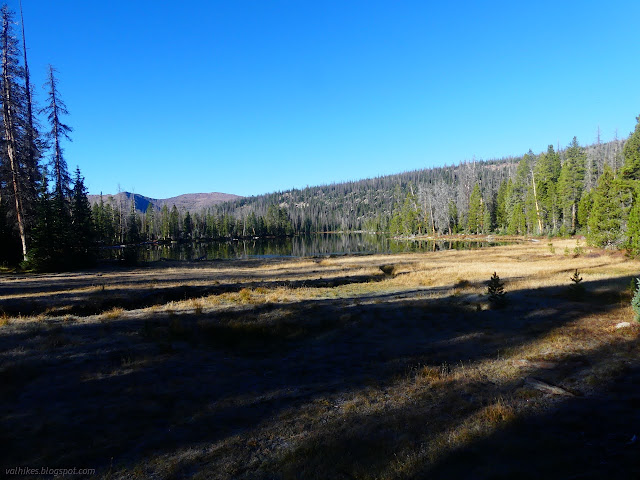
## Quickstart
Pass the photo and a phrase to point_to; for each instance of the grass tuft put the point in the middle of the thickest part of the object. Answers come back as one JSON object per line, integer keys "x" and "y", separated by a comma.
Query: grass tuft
{"x": 112, "y": 314}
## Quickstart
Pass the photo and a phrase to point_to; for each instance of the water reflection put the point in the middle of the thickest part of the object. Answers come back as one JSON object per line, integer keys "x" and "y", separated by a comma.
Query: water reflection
{"x": 298, "y": 246}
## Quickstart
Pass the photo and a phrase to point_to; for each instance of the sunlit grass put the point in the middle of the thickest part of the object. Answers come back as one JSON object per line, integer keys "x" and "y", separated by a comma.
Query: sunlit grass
{"x": 405, "y": 413}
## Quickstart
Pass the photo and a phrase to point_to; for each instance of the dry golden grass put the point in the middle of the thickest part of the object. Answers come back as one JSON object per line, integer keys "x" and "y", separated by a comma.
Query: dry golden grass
{"x": 112, "y": 314}
{"x": 329, "y": 369}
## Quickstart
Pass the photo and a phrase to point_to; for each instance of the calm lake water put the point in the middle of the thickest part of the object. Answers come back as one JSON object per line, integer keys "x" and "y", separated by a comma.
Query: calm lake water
{"x": 299, "y": 246}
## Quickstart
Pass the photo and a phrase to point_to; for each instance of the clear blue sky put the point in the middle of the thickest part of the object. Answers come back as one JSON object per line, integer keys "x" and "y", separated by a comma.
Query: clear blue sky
{"x": 249, "y": 97}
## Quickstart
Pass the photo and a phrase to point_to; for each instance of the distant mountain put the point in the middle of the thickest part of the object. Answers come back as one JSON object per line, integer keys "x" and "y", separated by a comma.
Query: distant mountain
{"x": 191, "y": 202}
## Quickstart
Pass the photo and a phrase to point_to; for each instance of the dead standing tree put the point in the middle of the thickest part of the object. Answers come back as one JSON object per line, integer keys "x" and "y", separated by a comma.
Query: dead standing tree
{"x": 12, "y": 102}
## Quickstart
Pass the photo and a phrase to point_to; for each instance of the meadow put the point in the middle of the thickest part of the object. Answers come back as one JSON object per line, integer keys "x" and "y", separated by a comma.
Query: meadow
{"x": 352, "y": 367}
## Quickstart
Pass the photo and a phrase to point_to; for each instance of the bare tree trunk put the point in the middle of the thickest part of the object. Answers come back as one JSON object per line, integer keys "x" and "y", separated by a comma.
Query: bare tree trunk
{"x": 433, "y": 224}
{"x": 9, "y": 129}
{"x": 535, "y": 200}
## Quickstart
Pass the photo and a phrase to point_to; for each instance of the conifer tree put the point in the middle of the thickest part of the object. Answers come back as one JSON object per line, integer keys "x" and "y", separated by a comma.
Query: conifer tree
{"x": 54, "y": 111}
{"x": 83, "y": 233}
{"x": 174, "y": 223}
{"x": 516, "y": 198}
{"x": 150, "y": 222}
{"x": 187, "y": 226}
{"x": 631, "y": 152}
{"x": 164, "y": 222}
{"x": 495, "y": 291}
{"x": 409, "y": 215}
{"x": 570, "y": 183}
{"x": 585, "y": 206}
{"x": 61, "y": 232}
{"x": 501, "y": 205}
{"x": 133, "y": 230}
{"x": 633, "y": 226}
{"x": 606, "y": 218}
{"x": 546, "y": 173}
{"x": 475, "y": 215}
{"x": 42, "y": 249}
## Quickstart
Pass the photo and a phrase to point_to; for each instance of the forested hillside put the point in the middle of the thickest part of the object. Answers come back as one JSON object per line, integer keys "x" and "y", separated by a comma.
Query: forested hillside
{"x": 554, "y": 192}
{"x": 439, "y": 200}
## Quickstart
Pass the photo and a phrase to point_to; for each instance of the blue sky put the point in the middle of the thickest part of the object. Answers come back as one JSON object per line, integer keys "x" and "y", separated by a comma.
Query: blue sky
{"x": 250, "y": 97}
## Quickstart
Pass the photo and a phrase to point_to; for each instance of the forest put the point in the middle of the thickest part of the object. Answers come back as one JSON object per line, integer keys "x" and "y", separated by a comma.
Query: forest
{"x": 47, "y": 223}
{"x": 45, "y": 217}
{"x": 563, "y": 191}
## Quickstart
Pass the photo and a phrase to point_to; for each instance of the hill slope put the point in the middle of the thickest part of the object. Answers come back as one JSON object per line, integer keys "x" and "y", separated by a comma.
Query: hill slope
{"x": 190, "y": 202}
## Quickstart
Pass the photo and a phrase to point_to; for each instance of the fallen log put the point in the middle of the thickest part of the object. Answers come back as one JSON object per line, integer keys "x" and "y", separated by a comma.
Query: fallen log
{"x": 546, "y": 387}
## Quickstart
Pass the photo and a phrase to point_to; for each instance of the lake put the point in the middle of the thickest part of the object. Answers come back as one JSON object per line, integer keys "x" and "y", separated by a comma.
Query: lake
{"x": 325, "y": 244}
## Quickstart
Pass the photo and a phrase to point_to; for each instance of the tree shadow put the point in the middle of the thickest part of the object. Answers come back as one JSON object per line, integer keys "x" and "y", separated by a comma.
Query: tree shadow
{"x": 92, "y": 393}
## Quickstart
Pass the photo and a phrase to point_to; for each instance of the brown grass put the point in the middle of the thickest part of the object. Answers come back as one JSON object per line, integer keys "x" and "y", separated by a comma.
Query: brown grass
{"x": 384, "y": 366}
{"x": 112, "y": 314}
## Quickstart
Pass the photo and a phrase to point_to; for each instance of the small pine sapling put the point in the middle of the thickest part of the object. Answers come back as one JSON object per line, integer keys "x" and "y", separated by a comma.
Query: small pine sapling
{"x": 495, "y": 290}
{"x": 578, "y": 250}
{"x": 576, "y": 289}
{"x": 635, "y": 301}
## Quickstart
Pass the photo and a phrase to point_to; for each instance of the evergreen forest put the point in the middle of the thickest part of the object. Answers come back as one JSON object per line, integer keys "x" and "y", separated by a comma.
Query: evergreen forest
{"x": 47, "y": 222}
{"x": 588, "y": 190}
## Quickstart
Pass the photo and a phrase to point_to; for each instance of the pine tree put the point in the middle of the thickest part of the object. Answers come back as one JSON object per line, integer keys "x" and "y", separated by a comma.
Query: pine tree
{"x": 571, "y": 183}
{"x": 54, "y": 111}
{"x": 607, "y": 213}
{"x": 631, "y": 152}
{"x": 83, "y": 234}
{"x": 475, "y": 215}
{"x": 585, "y": 206}
{"x": 501, "y": 206}
{"x": 409, "y": 215}
{"x": 576, "y": 289}
{"x": 61, "y": 236}
{"x": 495, "y": 290}
{"x": 165, "y": 226}
{"x": 174, "y": 223}
{"x": 632, "y": 233}
{"x": 187, "y": 226}
{"x": 546, "y": 173}
{"x": 133, "y": 230}
{"x": 150, "y": 222}
{"x": 42, "y": 248}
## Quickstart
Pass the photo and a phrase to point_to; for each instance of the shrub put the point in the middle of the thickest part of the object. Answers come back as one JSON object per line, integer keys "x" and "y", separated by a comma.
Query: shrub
{"x": 495, "y": 290}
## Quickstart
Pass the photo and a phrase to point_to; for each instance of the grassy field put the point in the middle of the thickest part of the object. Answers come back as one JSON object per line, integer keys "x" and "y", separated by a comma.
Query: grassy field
{"x": 366, "y": 367}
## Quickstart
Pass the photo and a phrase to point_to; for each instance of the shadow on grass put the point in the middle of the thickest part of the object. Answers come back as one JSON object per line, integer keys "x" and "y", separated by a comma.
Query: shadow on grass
{"x": 433, "y": 435}
{"x": 97, "y": 301}
{"x": 117, "y": 392}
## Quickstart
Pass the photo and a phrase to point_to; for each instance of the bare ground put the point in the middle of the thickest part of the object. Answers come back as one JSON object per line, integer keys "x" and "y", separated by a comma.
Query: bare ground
{"x": 385, "y": 367}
